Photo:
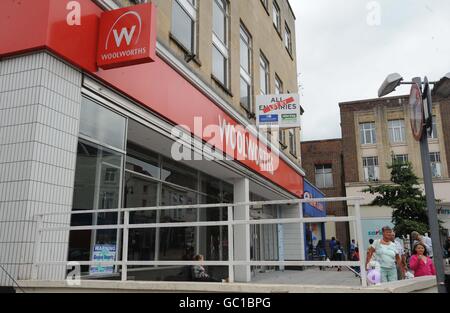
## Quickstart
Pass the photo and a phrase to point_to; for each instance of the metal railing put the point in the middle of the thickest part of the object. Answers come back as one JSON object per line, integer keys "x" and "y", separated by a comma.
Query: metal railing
{"x": 125, "y": 226}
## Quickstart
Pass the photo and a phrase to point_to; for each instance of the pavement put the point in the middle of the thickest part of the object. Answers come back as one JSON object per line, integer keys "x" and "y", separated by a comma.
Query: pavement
{"x": 329, "y": 277}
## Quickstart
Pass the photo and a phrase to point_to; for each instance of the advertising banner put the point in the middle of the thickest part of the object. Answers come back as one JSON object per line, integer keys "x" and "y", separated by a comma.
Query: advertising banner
{"x": 281, "y": 111}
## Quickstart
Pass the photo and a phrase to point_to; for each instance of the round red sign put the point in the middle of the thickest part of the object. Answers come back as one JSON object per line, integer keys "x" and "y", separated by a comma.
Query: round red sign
{"x": 416, "y": 111}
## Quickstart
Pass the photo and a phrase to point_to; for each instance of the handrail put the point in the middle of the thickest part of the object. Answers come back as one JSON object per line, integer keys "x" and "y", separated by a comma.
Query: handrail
{"x": 204, "y": 206}
{"x": 125, "y": 226}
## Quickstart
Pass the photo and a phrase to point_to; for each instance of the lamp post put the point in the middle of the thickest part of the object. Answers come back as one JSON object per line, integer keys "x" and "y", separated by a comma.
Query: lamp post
{"x": 421, "y": 122}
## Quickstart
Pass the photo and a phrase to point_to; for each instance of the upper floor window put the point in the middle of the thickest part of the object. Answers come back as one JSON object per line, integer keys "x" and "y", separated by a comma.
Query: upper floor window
{"x": 288, "y": 39}
{"x": 276, "y": 16}
{"x": 400, "y": 158}
{"x": 371, "y": 169}
{"x": 184, "y": 29}
{"x": 292, "y": 142}
{"x": 324, "y": 176}
{"x": 397, "y": 131}
{"x": 282, "y": 137}
{"x": 368, "y": 133}
{"x": 220, "y": 42}
{"x": 245, "y": 70}
{"x": 434, "y": 134}
{"x": 435, "y": 158}
{"x": 264, "y": 75}
{"x": 278, "y": 85}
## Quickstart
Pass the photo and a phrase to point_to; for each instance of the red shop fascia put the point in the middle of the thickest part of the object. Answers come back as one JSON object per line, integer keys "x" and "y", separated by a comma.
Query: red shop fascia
{"x": 92, "y": 40}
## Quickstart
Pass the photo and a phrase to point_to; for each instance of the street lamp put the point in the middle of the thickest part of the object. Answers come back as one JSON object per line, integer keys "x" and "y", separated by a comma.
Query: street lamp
{"x": 421, "y": 105}
{"x": 390, "y": 83}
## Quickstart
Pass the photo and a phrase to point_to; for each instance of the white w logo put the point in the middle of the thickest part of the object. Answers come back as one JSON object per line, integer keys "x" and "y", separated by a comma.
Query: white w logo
{"x": 124, "y": 33}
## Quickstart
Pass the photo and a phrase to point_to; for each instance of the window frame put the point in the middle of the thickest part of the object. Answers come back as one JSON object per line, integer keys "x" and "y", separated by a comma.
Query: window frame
{"x": 246, "y": 38}
{"x": 221, "y": 47}
{"x": 264, "y": 65}
{"x": 397, "y": 131}
{"x": 404, "y": 157}
{"x": 293, "y": 144}
{"x": 434, "y": 134}
{"x": 363, "y": 131}
{"x": 436, "y": 164}
{"x": 276, "y": 12}
{"x": 376, "y": 169}
{"x": 321, "y": 170}
{"x": 288, "y": 38}
{"x": 278, "y": 85}
{"x": 192, "y": 12}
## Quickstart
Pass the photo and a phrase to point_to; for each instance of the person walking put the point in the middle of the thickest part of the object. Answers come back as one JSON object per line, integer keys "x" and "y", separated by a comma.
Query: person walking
{"x": 338, "y": 254}
{"x": 420, "y": 262}
{"x": 355, "y": 257}
{"x": 401, "y": 253}
{"x": 387, "y": 256}
{"x": 352, "y": 249}
{"x": 332, "y": 246}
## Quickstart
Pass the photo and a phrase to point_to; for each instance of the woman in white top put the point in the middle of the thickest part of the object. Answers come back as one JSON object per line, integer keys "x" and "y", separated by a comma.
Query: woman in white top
{"x": 387, "y": 255}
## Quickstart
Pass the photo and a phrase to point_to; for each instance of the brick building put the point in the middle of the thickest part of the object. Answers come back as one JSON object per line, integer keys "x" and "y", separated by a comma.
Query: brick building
{"x": 374, "y": 132}
{"x": 323, "y": 163}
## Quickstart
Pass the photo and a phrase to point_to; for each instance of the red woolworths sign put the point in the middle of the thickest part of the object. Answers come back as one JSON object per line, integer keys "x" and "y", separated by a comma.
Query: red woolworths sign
{"x": 126, "y": 37}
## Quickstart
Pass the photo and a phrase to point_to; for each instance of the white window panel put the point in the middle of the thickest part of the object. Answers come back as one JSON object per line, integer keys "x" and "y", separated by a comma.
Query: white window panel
{"x": 189, "y": 6}
{"x": 220, "y": 46}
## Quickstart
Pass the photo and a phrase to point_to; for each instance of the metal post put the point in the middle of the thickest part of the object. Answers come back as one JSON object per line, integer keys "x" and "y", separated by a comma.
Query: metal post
{"x": 359, "y": 235}
{"x": 37, "y": 248}
{"x": 302, "y": 234}
{"x": 126, "y": 222}
{"x": 230, "y": 245}
{"x": 432, "y": 213}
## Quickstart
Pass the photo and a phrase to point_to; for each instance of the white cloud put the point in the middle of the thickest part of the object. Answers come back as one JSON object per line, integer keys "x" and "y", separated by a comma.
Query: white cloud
{"x": 342, "y": 58}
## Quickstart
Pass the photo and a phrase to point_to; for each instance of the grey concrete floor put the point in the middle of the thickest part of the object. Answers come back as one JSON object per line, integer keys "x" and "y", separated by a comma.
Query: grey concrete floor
{"x": 330, "y": 277}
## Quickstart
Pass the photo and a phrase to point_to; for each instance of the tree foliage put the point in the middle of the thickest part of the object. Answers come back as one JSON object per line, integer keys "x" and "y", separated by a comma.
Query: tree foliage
{"x": 405, "y": 197}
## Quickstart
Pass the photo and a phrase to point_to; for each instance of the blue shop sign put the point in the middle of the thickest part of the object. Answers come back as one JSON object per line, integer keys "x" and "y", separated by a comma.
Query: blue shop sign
{"x": 313, "y": 209}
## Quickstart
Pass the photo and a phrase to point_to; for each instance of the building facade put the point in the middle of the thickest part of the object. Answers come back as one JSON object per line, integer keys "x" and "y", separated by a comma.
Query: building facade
{"x": 74, "y": 137}
{"x": 239, "y": 48}
{"x": 376, "y": 131}
{"x": 323, "y": 163}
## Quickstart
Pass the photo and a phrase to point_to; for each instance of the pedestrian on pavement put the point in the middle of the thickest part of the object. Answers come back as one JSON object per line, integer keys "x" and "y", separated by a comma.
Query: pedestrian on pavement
{"x": 338, "y": 254}
{"x": 332, "y": 245}
{"x": 386, "y": 255}
{"x": 401, "y": 253}
{"x": 355, "y": 257}
{"x": 416, "y": 237}
{"x": 420, "y": 262}
{"x": 352, "y": 248}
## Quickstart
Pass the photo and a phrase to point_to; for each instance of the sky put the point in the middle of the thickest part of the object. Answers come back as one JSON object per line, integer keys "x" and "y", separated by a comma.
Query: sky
{"x": 346, "y": 48}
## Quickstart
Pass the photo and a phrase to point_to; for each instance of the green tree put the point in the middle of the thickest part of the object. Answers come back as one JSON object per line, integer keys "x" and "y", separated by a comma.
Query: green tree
{"x": 405, "y": 197}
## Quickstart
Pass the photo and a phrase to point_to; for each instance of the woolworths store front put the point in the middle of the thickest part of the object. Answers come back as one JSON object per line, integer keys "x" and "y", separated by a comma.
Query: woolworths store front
{"x": 74, "y": 137}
